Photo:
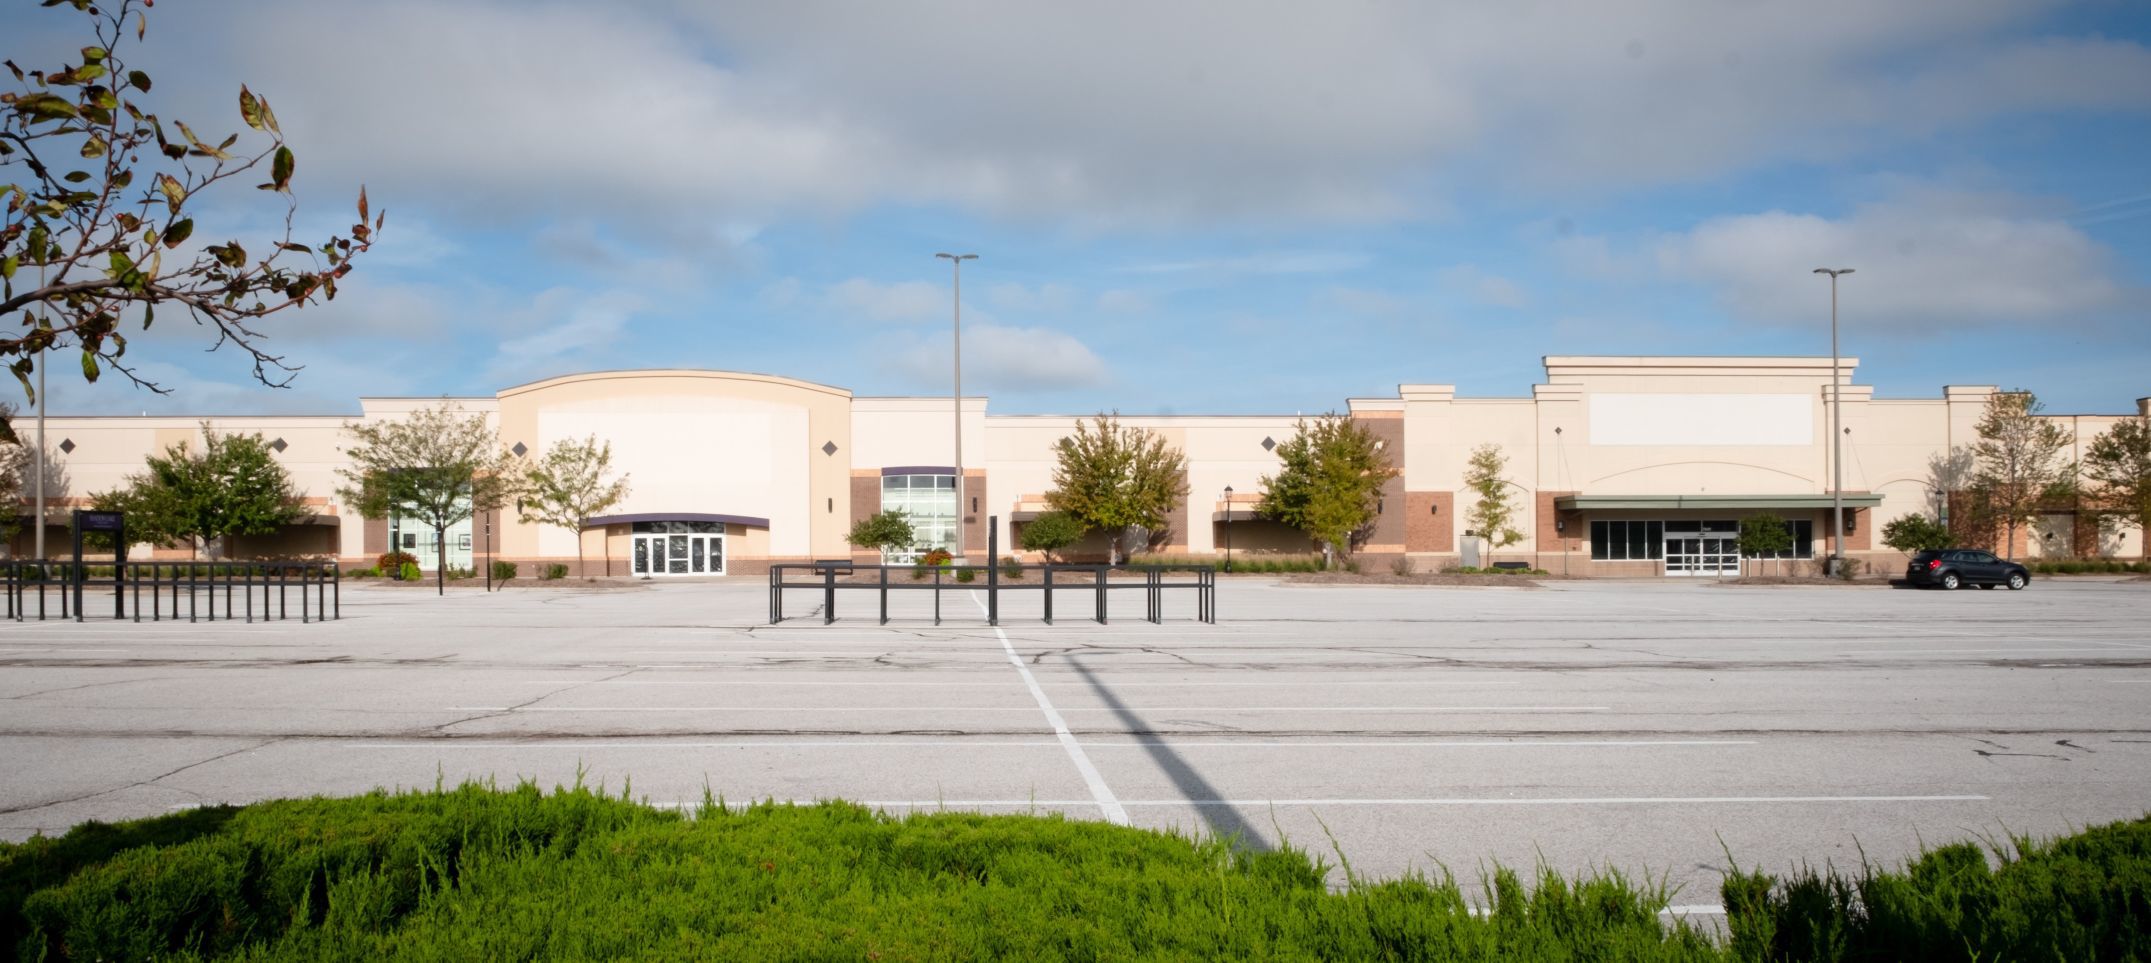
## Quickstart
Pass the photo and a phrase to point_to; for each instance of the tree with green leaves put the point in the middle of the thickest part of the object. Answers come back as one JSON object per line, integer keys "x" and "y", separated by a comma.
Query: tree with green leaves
{"x": 1916, "y": 533}
{"x": 1765, "y": 536}
{"x": 436, "y": 465}
{"x": 231, "y": 485}
{"x": 1493, "y": 514}
{"x": 1328, "y": 483}
{"x": 1115, "y": 478}
{"x": 15, "y": 476}
{"x": 884, "y": 531}
{"x": 2020, "y": 466}
{"x": 98, "y": 197}
{"x": 1050, "y": 533}
{"x": 2119, "y": 461}
{"x": 569, "y": 485}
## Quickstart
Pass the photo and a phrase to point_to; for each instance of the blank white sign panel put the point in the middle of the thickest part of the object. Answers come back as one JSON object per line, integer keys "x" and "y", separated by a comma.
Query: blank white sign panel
{"x": 1702, "y": 420}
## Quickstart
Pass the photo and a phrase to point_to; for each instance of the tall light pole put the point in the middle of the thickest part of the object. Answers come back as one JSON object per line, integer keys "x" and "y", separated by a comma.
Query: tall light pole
{"x": 1837, "y": 435}
{"x": 956, "y": 265}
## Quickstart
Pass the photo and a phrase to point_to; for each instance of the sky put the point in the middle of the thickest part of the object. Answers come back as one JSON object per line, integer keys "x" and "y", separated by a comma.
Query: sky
{"x": 1230, "y": 207}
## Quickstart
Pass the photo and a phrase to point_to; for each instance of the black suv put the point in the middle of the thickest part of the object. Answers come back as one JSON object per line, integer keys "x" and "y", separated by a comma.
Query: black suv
{"x": 1952, "y": 567}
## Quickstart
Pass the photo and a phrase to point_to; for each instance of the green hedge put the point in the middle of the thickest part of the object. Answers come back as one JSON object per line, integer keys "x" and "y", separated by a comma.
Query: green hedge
{"x": 475, "y": 873}
{"x": 2088, "y": 566}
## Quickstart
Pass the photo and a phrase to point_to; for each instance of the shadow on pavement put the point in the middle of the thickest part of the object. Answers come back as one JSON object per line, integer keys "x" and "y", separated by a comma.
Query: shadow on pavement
{"x": 1225, "y": 819}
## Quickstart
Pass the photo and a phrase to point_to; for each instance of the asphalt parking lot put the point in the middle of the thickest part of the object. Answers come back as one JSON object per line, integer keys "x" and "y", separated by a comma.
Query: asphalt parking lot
{"x": 1647, "y": 726}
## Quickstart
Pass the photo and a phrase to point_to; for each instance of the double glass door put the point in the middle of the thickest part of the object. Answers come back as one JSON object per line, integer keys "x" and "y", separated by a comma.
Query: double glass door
{"x": 679, "y": 554}
{"x": 1702, "y": 548}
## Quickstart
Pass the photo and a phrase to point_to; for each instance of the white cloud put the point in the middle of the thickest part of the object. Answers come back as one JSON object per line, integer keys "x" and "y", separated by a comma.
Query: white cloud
{"x": 1928, "y": 257}
{"x": 573, "y": 331}
{"x": 1268, "y": 262}
{"x": 664, "y": 111}
{"x": 1000, "y": 358}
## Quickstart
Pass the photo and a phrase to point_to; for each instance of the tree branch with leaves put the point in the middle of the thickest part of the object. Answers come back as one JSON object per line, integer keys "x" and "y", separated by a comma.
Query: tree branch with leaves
{"x": 1116, "y": 477}
{"x": 97, "y": 227}
{"x": 436, "y": 465}
{"x": 2119, "y": 461}
{"x": 1328, "y": 483}
{"x": 1493, "y": 515}
{"x": 569, "y": 485}
{"x": 2020, "y": 469}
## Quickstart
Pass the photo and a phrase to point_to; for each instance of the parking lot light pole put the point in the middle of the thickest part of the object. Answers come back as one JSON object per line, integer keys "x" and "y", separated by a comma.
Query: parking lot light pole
{"x": 1837, "y": 435}
{"x": 956, "y": 266}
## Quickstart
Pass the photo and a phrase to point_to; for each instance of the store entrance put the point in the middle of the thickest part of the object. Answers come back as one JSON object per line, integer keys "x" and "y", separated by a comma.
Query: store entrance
{"x": 1708, "y": 548}
{"x": 678, "y": 553}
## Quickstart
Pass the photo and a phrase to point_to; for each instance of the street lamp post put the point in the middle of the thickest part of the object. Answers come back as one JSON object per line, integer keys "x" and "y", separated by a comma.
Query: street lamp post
{"x": 956, "y": 266}
{"x": 1837, "y": 435}
{"x": 1228, "y": 528}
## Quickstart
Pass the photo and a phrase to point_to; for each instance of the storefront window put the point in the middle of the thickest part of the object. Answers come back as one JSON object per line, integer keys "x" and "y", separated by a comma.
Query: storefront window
{"x": 930, "y": 502}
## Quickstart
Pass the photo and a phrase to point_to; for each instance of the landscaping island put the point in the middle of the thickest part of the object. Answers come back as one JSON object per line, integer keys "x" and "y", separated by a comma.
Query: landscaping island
{"x": 479, "y": 873}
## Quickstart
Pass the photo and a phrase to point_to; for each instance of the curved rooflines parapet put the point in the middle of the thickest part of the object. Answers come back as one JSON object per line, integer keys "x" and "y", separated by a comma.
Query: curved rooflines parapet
{"x": 703, "y": 373}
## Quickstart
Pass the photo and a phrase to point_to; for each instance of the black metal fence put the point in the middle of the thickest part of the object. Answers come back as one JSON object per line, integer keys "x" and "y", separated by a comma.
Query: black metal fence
{"x": 156, "y": 591}
{"x": 833, "y": 578}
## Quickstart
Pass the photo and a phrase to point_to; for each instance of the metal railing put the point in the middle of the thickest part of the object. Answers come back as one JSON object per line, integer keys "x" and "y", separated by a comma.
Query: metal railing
{"x": 42, "y": 589}
{"x": 1152, "y": 580}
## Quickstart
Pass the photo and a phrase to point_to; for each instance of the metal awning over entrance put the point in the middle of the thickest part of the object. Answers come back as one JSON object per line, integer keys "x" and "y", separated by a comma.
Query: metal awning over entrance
{"x": 1598, "y": 503}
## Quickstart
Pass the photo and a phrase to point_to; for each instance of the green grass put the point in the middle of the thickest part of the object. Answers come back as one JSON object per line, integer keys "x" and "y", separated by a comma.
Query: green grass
{"x": 475, "y": 873}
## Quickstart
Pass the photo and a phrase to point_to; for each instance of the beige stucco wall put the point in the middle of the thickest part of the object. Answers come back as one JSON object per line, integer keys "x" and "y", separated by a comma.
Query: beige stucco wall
{"x": 698, "y": 442}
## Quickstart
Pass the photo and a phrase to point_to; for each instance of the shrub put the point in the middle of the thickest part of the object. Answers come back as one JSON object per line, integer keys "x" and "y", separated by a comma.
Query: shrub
{"x": 554, "y": 572}
{"x": 393, "y": 561}
{"x": 460, "y": 573}
{"x": 362, "y": 573}
{"x": 1351, "y": 565}
{"x": 1051, "y": 532}
{"x": 938, "y": 558}
{"x": 503, "y": 571}
{"x": 1402, "y": 565}
{"x": 1011, "y": 569}
{"x": 966, "y": 575}
{"x": 409, "y": 572}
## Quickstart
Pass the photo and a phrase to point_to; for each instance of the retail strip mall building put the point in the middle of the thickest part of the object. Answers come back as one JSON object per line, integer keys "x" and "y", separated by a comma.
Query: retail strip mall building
{"x": 1627, "y": 466}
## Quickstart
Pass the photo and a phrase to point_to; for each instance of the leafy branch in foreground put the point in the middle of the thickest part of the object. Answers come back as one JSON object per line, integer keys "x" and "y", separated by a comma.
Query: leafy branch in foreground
{"x": 97, "y": 224}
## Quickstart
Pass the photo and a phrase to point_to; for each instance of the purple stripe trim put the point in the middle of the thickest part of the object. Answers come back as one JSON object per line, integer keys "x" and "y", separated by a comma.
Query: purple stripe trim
{"x": 747, "y": 520}
{"x": 918, "y": 470}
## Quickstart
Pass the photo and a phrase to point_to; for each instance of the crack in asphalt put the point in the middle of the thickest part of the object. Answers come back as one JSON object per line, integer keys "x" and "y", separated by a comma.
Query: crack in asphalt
{"x": 263, "y": 743}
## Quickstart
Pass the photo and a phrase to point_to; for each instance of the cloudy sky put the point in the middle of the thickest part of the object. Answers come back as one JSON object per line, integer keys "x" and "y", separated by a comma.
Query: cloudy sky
{"x": 1181, "y": 207}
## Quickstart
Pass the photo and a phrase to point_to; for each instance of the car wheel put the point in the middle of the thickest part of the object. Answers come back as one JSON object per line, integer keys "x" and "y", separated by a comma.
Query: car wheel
{"x": 1950, "y": 580}
{"x": 2016, "y": 581}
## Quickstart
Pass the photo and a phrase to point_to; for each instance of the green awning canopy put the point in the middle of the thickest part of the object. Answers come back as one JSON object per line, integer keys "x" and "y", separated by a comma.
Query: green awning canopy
{"x": 1596, "y": 503}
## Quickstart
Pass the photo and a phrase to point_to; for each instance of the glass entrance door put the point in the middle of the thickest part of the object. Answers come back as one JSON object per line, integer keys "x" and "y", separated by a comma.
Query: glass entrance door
{"x": 1708, "y": 548}
{"x": 667, "y": 554}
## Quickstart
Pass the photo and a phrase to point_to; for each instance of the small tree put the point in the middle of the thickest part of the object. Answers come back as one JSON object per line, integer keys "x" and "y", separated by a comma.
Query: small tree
{"x": 1493, "y": 515}
{"x": 1114, "y": 478}
{"x": 2020, "y": 467}
{"x": 232, "y": 486}
{"x": 96, "y": 195}
{"x": 567, "y": 486}
{"x": 1328, "y": 483}
{"x": 1765, "y": 536}
{"x": 2119, "y": 460}
{"x": 1916, "y": 533}
{"x": 437, "y": 465}
{"x": 19, "y": 469}
{"x": 885, "y": 532}
{"x": 1051, "y": 532}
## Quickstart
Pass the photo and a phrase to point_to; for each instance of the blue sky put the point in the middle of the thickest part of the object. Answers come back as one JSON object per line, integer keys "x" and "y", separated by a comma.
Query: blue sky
{"x": 1232, "y": 208}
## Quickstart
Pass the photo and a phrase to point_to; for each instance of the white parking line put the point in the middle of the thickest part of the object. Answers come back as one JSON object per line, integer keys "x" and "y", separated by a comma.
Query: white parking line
{"x": 894, "y": 684}
{"x": 661, "y": 744}
{"x": 1041, "y": 695}
{"x": 1101, "y": 794}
